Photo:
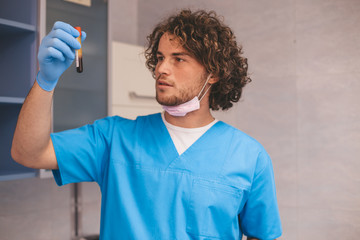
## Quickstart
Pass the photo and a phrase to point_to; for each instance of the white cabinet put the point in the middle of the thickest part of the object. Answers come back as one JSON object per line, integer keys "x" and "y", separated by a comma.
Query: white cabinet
{"x": 131, "y": 86}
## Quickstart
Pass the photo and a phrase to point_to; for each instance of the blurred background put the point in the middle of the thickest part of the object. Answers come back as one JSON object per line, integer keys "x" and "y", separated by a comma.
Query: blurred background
{"x": 303, "y": 105}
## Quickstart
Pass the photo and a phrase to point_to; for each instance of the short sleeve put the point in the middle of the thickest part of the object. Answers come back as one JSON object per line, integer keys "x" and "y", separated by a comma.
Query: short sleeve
{"x": 260, "y": 216}
{"x": 81, "y": 153}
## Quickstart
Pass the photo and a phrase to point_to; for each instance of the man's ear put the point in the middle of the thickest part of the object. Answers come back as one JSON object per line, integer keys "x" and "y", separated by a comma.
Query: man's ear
{"x": 213, "y": 79}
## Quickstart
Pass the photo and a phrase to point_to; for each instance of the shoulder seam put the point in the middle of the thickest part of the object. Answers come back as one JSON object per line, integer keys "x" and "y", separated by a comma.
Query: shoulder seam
{"x": 263, "y": 169}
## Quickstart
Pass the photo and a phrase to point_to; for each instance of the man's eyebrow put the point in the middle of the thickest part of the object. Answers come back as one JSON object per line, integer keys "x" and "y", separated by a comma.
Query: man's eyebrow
{"x": 181, "y": 54}
{"x": 175, "y": 54}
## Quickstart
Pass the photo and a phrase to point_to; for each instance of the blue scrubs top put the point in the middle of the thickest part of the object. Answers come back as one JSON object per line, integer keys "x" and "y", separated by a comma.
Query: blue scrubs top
{"x": 221, "y": 187}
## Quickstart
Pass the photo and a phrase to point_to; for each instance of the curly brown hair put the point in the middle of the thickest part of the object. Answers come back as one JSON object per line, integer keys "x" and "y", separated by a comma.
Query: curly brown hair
{"x": 213, "y": 44}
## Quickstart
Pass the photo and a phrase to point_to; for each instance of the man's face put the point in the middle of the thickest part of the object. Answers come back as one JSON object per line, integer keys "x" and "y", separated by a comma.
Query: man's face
{"x": 179, "y": 76}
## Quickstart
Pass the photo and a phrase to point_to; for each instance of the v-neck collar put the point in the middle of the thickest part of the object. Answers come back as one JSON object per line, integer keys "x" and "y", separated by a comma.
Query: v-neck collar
{"x": 204, "y": 157}
{"x": 171, "y": 144}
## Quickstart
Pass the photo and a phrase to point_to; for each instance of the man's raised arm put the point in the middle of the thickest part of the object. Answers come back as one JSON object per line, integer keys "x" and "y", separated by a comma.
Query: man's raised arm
{"x": 32, "y": 145}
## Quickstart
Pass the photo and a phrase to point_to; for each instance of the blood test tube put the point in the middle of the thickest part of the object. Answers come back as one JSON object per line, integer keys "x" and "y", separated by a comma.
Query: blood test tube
{"x": 78, "y": 54}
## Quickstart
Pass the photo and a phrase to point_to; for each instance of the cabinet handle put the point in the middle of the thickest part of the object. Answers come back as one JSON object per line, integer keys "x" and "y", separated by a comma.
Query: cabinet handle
{"x": 135, "y": 95}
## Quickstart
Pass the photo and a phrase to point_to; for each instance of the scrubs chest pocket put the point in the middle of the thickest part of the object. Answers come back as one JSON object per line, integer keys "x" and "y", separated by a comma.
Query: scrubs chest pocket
{"x": 212, "y": 210}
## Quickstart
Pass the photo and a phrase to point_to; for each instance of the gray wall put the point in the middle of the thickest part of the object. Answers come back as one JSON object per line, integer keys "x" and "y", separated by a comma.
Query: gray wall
{"x": 37, "y": 209}
{"x": 303, "y": 106}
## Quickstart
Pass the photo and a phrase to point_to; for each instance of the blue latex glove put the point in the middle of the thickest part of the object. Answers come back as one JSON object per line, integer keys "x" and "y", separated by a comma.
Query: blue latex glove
{"x": 56, "y": 54}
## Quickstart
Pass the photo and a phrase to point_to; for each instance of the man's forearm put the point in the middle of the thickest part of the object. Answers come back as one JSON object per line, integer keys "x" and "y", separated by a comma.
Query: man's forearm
{"x": 32, "y": 134}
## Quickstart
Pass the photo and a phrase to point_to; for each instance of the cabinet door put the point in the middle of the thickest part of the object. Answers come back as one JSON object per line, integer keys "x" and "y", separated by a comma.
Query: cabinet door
{"x": 132, "y": 85}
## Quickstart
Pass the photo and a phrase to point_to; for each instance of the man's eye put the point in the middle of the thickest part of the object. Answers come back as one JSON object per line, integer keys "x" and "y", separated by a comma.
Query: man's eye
{"x": 179, "y": 59}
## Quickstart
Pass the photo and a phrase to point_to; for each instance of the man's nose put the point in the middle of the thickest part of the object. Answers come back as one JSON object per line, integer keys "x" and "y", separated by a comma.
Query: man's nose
{"x": 163, "y": 67}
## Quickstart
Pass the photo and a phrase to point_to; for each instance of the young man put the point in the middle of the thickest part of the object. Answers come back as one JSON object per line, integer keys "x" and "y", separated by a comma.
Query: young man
{"x": 176, "y": 175}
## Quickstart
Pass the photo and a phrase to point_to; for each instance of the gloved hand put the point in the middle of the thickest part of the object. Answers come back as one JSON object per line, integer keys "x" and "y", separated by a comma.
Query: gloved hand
{"x": 56, "y": 53}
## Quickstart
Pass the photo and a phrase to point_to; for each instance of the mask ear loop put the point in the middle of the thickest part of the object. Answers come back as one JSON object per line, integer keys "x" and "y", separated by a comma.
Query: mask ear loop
{"x": 204, "y": 88}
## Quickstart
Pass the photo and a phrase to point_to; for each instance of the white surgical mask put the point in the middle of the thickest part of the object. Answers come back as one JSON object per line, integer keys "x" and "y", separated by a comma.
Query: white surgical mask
{"x": 189, "y": 106}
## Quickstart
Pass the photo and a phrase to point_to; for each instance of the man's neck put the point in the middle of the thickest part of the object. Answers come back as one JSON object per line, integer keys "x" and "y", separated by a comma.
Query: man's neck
{"x": 195, "y": 119}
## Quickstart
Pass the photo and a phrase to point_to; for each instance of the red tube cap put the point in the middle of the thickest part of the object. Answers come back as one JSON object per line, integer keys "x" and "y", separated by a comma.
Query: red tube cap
{"x": 79, "y": 29}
